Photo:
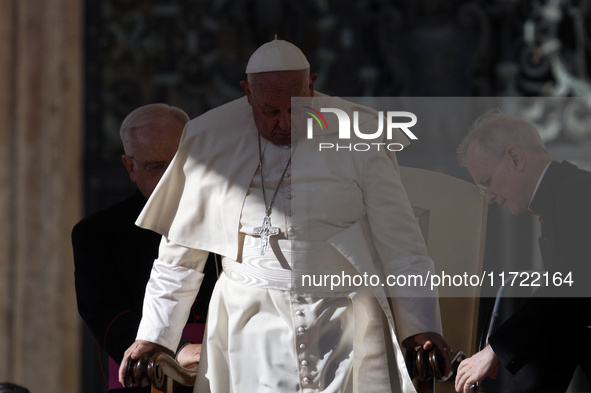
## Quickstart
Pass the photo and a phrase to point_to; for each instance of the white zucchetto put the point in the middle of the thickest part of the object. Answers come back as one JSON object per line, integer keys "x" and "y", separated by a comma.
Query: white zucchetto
{"x": 277, "y": 55}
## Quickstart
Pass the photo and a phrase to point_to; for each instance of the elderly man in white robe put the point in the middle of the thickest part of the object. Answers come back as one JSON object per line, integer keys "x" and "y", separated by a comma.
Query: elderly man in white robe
{"x": 258, "y": 198}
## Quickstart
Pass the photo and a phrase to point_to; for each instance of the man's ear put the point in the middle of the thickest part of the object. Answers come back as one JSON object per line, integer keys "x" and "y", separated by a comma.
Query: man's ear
{"x": 246, "y": 88}
{"x": 313, "y": 78}
{"x": 517, "y": 157}
{"x": 130, "y": 166}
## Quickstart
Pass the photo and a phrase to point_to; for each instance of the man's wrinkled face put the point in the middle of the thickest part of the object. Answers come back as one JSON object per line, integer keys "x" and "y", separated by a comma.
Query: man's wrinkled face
{"x": 269, "y": 94}
{"x": 499, "y": 179}
{"x": 150, "y": 150}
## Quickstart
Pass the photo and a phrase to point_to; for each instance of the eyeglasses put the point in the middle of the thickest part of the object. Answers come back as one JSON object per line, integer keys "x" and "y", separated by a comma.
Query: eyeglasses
{"x": 154, "y": 166}
{"x": 484, "y": 186}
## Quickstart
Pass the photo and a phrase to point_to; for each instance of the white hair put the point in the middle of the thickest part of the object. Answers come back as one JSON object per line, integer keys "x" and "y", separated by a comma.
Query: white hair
{"x": 151, "y": 114}
{"x": 494, "y": 131}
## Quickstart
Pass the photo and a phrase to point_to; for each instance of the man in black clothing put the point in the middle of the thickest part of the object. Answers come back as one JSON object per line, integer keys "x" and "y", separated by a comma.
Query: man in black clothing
{"x": 550, "y": 335}
{"x": 113, "y": 257}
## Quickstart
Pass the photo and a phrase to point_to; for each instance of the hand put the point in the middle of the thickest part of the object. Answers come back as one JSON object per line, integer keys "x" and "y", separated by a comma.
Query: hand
{"x": 474, "y": 369}
{"x": 136, "y": 349}
{"x": 429, "y": 339}
{"x": 189, "y": 356}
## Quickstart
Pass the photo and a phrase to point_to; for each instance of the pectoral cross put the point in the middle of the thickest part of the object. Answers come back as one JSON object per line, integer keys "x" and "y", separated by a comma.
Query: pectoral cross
{"x": 265, "y": 232}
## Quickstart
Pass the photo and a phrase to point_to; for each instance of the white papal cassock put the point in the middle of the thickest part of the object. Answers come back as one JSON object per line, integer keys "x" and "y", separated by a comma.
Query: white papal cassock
{"x": 344, "y": 214}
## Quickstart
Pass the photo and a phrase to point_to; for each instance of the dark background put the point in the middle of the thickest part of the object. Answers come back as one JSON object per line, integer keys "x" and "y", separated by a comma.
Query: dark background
{"x": 192, "y": 54}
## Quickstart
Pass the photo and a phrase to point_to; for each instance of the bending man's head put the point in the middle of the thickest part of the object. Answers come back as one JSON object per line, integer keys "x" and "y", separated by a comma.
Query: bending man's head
{"x": 276, "y": 72}
{"x": 505, "y": 156}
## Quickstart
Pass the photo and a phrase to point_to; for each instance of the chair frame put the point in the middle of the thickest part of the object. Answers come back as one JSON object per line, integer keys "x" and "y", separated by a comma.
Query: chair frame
{"x": 163, "y": 373}
{"x": 159, "y": 370}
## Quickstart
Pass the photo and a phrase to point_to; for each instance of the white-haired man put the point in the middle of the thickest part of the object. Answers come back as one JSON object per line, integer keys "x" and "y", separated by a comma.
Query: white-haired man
{"x": 549, "y": 336}
{"x": 233, "y": 174}
{"x": 113, "y": 257}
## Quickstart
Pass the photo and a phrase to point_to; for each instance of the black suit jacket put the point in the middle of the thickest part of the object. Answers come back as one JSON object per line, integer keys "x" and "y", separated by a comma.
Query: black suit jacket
{"x": 113, "y": 259}
{"x": 556, "y": 317}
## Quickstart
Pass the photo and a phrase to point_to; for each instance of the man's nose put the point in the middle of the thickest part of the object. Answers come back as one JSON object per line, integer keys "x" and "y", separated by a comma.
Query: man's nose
{"x": 490, "y": 197}
{"x": 285, "y": 121}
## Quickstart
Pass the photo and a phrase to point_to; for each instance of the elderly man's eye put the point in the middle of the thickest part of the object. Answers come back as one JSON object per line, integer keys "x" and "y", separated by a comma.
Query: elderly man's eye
{"x": 157, "y": 167}
{"x": 272, "y": 113}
